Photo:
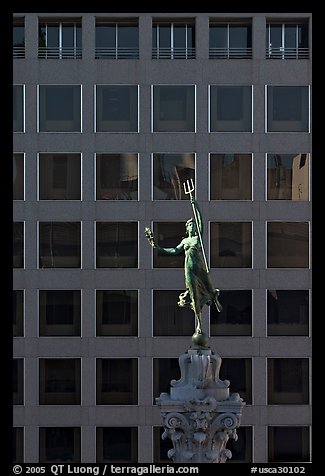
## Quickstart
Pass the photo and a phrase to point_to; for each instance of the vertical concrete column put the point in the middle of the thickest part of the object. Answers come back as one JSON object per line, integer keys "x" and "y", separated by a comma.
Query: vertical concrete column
{"x": 88, "y": 37}
{"x": 31, "y": 36}
{"x": 202, "y": 37}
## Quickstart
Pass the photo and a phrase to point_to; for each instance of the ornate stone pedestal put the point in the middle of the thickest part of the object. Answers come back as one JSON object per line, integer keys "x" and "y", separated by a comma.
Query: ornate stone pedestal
{"x": 199, "y": 415}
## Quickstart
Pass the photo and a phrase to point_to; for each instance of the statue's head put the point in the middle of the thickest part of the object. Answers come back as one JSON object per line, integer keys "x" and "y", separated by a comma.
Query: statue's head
{"x": 190, "y": 226}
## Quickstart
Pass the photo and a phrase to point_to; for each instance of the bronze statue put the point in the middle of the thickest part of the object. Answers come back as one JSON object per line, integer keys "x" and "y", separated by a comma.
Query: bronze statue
{"x": 199, "y": 290}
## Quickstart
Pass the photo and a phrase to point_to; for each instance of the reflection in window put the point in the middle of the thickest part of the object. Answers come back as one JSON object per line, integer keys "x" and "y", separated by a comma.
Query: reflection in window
{"x": 288, "y": 176}
{"x": 239, "y": 373}
{"x": 117, "y": 108}
{"x": 116, "y": 444}
{"x": 116, "y": 381}
{"x": 18, "y": 313}
{"x": 18, "y": 108}
{"x": 170, "y": 171}
{"x": 288, "y": 381}
{"x": 60, "y": 382}
{"x": 168, "y": 318}
{"x": 116, "y": 244}
{"x": 116, "y": 177}
{"x": 18, "y": 244}
{"x": 60, "y": 40}
{"x": 230, "y": 40}
{"x": 60, "y": 245}
{"x": 287, "y": 312}
{"x": 230, "y": 109}
{"x": 18, "y": 176}
{"x": 230, "y": 176}
{"x": 173, "y": 108}
{"x": 287, "y": 41}
{"x": 231, "y": 245}
{"x": 173, "y": 40}
{"x": 117, "y": 313}
{"x": 287, "y": 109}
{"x": 288, "y": 444}
{"x": 60, "y": 445}
{"x": 161, "y": 446}
{"x": 242, "y": 449}
{"x": 59, "y": 177}
{"x": 59, "y": 108}
{"x": 236, "y": 315}
{"x": 18, "y": 40}
{"x": 117, "y": 40}
{"x": 168, "y": 235}
{"x": 287, "y": 245}
{"x": 18, "y": 444}
{"x": 164, "y": 370}
{"x": 18, "y": 382}
{"x": 59, "y": 313}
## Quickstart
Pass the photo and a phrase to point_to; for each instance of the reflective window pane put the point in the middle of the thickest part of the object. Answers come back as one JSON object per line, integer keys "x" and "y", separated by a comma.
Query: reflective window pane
{"x": 239, "y": 372}
{"x": 60, "y": 381}
{"x": 60, "y": 245}
{"x": 164, "y": 370}
{"x": 60, "y": 108}
{"x": 230, "y": 108}
{"x": 59, "y": 313}
{"x": 116, "y": 177}
{"x": 128, "y": 36}
{"x": 287, "y": 312}
{"x": 168, "y": 318}
{"x": 240, "y": 36}
{"x": 168, "y": 235}
{"x": 117, "y": 313}
{"x": 18, "y": 382}
{"x": 174, "y": 109}
{"x": 18, "y": 35}
{"x": 18, "y": 244}
{"x": 231, "y": 244}
{"x": 59, "y": 177}
{"x": 287, "y": 109}
{"x": 218, "y": 36}
{"x": 288, "y": 381}
{"x": 161, "y": 446}
{"x": 288, "y": 176}
{"x": 60, "y": 445}
{"x": 116, "y": 244}
{"x": 18, "y": 176}
{"x": 18, "y": 444}
{"x": 170, "y": 171}
{"x": 18, "y": 108}
{"x": 230, "y": 176}
{"x": 117, "y": 444}
{"x": 117, "y": 109}
{"x": 287, "y": 245}
{"x": 242, "y": 449}
{"x": 18, "y": 313}
{"x": 288, "y": 444}
{"x": 117, "y": 381}
{"x": 236, "y": 315}
{"x": 106, "y": 36}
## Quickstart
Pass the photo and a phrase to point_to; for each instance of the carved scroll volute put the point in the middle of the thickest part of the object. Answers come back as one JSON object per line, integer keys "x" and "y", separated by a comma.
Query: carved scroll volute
{"x": 183, "y": 361}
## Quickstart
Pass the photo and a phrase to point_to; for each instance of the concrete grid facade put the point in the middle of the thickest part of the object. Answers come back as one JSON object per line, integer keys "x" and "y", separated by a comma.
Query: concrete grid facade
{"x": 145, "y": 71}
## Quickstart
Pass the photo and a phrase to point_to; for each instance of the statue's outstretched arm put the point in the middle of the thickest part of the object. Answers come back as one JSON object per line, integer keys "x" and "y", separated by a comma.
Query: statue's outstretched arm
{"x": 166, "y": 251}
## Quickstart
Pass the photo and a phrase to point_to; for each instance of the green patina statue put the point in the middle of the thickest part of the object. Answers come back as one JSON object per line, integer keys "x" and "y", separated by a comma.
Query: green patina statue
{"x": 199, "y": 290}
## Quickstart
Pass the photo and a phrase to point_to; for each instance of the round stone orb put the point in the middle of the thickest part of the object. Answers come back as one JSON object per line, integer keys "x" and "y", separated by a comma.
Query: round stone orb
{"x": 200, "y": 339}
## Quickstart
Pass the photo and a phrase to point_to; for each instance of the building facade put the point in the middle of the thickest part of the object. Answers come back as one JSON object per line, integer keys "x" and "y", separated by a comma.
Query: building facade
{"x": 112, "y": 112}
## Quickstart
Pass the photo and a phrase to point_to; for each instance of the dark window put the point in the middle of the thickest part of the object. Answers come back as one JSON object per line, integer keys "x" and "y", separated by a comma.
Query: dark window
{"x": 230, "y": 176}
{"x": 60, "y": 245}
{"x": 117, "y": 382}
{"x": 60, "y": 40}
{"x": 287, "y": 41}
{"x": 168, "y": 318}
{"x": 287, "y": 245}
{"x": 230, "y": 109}
{"x": 59, "y": 313}
{"x": 18, "y": 313}
{"x": 18, "y": 40}
{"x": 231, "y": 245}
{"x": 170, "y": 171}
{"x": 117, "y": 444}
{"x": 288, "y": 381}
{"x": 288, "y": 444}
{"x": 161, "y": 446}
{"x": 173, "y": 40}
{"x": 117, "y": 40}
{"x": 287, "y": 109}
{"x": 117, "y": 108}
{"x": 60, "y": 108}
{"x": 242, "y": 449}
{"x": 18, "y": 444}
{"x": 116, "y": 176}
{"x": 287, "y": 312}
{"x": 60, "y": 382}
{"x": 230, "y": 41}
{"x": 164, "y": 370}
{"x": 236, "y": 315}
{"x": 117, "y": 313}
{"x": 168, "y": 235}
{"x": 173, "y": 108}
{"x": 59, "y": 177}
{"x": 18, "y": 381}
{"x": 239, "y": 373}
{"x": 18, "y": 245}
{"x": 116, "y": 244}
{"x": 18, "y": 177}
{"x": 60, "y": 445}
{"x": 288, "y": 176}
{"x": 18, "y": 108}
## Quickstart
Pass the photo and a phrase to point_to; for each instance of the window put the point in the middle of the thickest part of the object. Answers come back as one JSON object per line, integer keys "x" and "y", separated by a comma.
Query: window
{"x": 18, "y": 444}
{"x": 288, "y": 444}
{"x": 230, "y": 40}
{"x": 117, "y": 109}
{"x": 18, "y": 177}
{"x": 60, "y": 108}
{"x": 117, "y": 313}
{"x": 168, "y": 235}
{"x": 117, "y": 444}
{"x": 287, "y": 109}
{"x": 173, "y": 108}
{"x": 170, "y": 171}
{"x": 18, "y": 108}
{"x": 60, "y": 39}
{"x": 230, "y": 176}
{"x": 59, "y": 313}
{"x": 60, "y": 245}
{"x": 117, "y": 40}
{"x": 287, "y": 312}
{"x": 117, "y": 177}
{"x": 288, "y": 381}
{"x": 164, "y": 370}
{"x": 116, "y": 244}
{"x": 174, "y": 40}
{"x": 231, "y": 244}
{"x": 287, "y": 40}
{"x": 60, "y": 382}
{"x": 230, "y": 108}
{"x": 242, "y": 449}
{"x": 18, "y": 244}
{"x": 60, "y": 445}
{"x": 18, "y": 313}
{"x": 288, "y": 177}
{"x": 168, "y": 318}
{"x": 18, "y": 41}
{"x": 287, "y": 244}
{"x": 117, "y": 381}
{"x": 18, "y": 382}
{"x": 239, "y": 373}
{"x": 59, "y": 176}
{"x": 236, "y": 315}
{"x": 160, "y": 446}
